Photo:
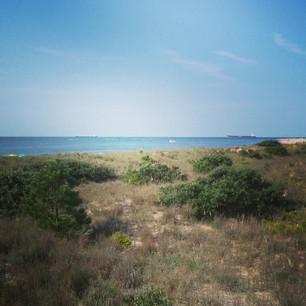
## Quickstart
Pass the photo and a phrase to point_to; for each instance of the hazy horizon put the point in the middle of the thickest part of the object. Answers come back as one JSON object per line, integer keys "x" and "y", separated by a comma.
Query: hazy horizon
{"x": 152, "y": 68}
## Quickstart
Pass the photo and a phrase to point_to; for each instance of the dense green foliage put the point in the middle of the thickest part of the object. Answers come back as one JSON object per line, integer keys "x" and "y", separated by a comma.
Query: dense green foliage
{"x": 51, "y": 201}
{"x": 12, "y": 187}
{"x": 78, "y": 172}
{"x": 150, "y": 171}
{"x": 179, "y": 194}
{"x": 273, "y": 147}
{"x": 44, "y": 192}
{"x": 211, "y": 161}
{"x": 227, "y": 191}
{"x": 239, "y": 192}
{"x": 155, "y": 297}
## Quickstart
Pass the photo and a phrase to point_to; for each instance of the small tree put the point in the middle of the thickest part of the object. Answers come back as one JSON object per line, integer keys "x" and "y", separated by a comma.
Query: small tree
{"x": 53, "y": 203}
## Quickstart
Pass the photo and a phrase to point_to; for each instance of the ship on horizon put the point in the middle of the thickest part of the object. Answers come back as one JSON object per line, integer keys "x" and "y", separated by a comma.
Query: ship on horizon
{"x": 241, "y": 136}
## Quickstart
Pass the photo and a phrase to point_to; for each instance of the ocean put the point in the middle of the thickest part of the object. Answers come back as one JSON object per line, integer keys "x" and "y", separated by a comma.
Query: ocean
{"x": 25, "y": 146}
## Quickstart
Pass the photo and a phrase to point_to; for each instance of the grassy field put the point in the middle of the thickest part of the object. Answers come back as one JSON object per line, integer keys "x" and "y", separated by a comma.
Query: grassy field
{"x": 183, "y": 261}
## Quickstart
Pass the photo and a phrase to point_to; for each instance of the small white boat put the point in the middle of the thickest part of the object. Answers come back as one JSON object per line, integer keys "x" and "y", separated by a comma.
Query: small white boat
{"x": 172, "y": 141}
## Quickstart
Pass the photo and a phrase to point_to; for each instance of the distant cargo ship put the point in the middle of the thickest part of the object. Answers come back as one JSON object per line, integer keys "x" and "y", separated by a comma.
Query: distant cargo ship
{"x": 241, "y": 136}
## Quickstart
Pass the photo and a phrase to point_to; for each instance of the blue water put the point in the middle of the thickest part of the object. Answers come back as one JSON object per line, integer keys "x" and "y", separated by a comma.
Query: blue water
{"x": 25, "y": 146}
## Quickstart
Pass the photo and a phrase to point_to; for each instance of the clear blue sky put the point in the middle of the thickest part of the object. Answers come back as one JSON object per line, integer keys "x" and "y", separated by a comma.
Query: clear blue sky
{"x": 152, "y": 67}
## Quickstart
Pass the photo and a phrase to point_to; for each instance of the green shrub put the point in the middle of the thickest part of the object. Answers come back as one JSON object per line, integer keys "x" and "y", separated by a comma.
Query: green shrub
{"x": 218, "y": 173}
{"x": 78, "y": 172}
{"x": 268, "y": 143}
{"x": 12, "y": 186}
{"x": 44, "y": 191}
{"x": 151, "y": 171}
{"x": 14, "y": 182}
{"x": 227, "y": 191}
{"x": 250, "y": 154}
{"x": 239, "y": 192}
{"x": 52, "y": 203}
{"x": 121, "y": 239}
{"x": 273, "y": 147}
{"x": 212, "y": 161}
{"x": 293, "y": 222}
{"x": 155, "y": 297}
{"x": 179, "y": 194}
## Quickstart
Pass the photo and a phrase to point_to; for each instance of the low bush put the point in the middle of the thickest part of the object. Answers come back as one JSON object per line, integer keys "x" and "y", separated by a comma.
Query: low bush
{"x": 293, "y": 222}
{"x": 12, "y": 186}
{"x": 13, "y": 182}
{"x": 44, "y": 191}
{"x": 150, "y": 171}
{"x": 78, "y": 172}
{"x": 250, "y": 154}
{"x": 227, "y": 191}
{"x": 273, "y": 147}
{"x": 179, "y": 194}
{"x": 154, "y": 297}
{"x": 53, "y": 203}
{"x": 239, "y": 192}
{"x": 121, "y": 239}
{"x": 212, "y": 161}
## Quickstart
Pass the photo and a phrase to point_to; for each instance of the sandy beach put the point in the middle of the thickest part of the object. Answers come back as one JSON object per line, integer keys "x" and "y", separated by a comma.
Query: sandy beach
{"x": 292, "y": 140}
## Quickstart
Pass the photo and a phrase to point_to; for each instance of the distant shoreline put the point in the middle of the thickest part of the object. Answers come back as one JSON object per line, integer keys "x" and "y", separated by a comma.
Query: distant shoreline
{"x": 33, "y": 146}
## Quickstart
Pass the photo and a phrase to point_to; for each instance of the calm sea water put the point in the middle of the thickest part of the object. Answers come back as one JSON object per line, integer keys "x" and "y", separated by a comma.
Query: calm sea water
{"x": 25, "y": 146}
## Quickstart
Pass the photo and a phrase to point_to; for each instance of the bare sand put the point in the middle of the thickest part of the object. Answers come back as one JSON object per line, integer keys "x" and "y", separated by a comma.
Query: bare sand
{"x": 292, "y": 140}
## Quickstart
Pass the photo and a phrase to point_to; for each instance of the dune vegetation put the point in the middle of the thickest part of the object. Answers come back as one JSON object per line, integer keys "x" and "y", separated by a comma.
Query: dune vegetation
{"x": 181, "y": 227}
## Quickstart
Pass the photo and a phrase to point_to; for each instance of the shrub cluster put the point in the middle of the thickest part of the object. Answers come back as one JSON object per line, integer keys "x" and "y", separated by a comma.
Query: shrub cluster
{"x": 273, "y": 147}
{"x": 179, "y": 194}
{"x": 79, "y": 172}
{"x": 51, "y": 201}
{"x": 227, "y": 191}
{"x": 208, "y": 163}
{"x": 238, "y": 192}
{"x": 12, "y": 187}
{"x": 150, "y": 171}
{"x": 45, "y": 192}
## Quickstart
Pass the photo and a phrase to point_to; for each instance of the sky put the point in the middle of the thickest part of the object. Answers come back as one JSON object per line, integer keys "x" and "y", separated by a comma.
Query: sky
{"x": 152, "y": 68}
